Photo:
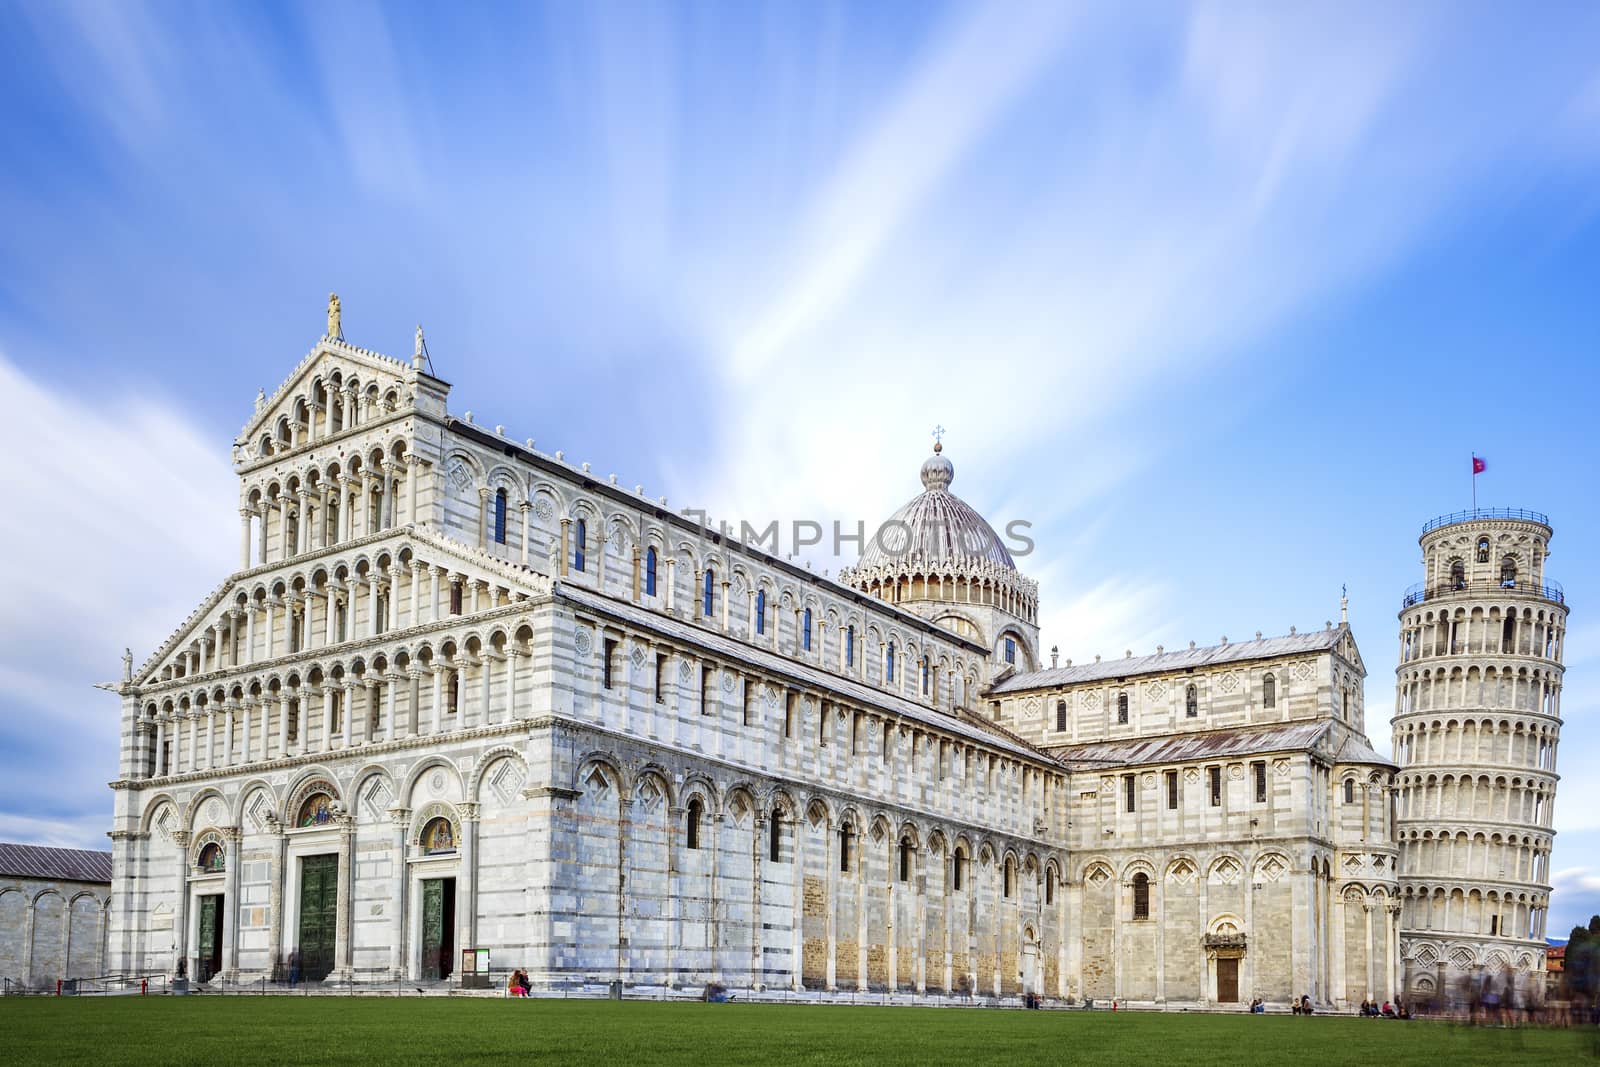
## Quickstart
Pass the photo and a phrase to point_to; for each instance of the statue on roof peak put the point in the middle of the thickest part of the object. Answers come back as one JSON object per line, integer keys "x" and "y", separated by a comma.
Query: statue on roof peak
{"x": 335, "y": 328}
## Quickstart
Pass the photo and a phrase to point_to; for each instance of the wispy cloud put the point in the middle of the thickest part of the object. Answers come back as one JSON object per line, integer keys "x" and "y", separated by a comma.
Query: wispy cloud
{"x": 120, "y": 526}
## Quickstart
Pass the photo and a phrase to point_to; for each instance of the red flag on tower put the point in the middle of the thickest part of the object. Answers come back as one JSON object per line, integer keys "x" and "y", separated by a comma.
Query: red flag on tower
{"x": 1478, "y": 465}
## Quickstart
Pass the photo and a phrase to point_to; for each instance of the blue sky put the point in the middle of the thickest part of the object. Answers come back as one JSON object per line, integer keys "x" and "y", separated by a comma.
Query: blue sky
{"x": 1220, "y": 298}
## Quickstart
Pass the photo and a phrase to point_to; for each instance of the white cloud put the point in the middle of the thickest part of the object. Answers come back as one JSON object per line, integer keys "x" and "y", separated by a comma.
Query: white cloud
{"x": 118, "y": 510}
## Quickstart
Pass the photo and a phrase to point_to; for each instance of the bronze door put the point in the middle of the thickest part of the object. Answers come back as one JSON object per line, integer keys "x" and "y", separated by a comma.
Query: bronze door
{"x": 319, "y": 911}
{"x": 438, "y": 927}
{"x": 1227, "y": 981}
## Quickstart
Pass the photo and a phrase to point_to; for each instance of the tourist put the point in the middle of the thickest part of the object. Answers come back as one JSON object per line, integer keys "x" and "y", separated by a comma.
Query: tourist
{"x": 1258, "y": 1007}
{"x": 1305, "y": 1005}
{"x": 294, "y": 967}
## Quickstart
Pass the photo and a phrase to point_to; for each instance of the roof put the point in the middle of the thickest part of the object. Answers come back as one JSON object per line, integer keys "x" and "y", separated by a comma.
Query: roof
{"x": 1177, "y": 748}
{"x": 935, "y": 525}
{"x": 58, "y": 864}
{"x": 1162, "y": 662}
{"x": 729, "y": 648}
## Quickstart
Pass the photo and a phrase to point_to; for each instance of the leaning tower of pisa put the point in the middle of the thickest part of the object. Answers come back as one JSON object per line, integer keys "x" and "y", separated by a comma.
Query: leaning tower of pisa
{"x": 1476, "y": 723}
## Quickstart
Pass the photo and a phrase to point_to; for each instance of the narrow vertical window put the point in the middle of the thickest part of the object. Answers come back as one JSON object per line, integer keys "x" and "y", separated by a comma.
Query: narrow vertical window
{"x": 1508, "y": 573}
{"x": 691, "y": 826}
{"x": 455, "y": 598}
{"x": 661, "y": 677}
{"x": 454, "y": 696}
{"x": 707, "y": 680}
{"x": 958, "y": 873}
{"x": 1011, "y": 650}
{"x": 761, "y": 611}
{"x": 749, "y": 703}
{"x": 580, "y": 545}
{"x": 1191, "y": 702}
{"x": 775, "y": 846}
{"x": 1259, "y": 767}
{"x": 1215, "y": 774}
{"x": 1349, "y": 790}
{"x": 790, "y": 701}
{"x": 610, "y": 654}
{"x": 1483, "y": 550}
{"x": 1061, "y": 716}
{"x": 888, "y": 663}
{"x": 1172, "y": 790}
{"x": 1122, "y": 707}
{"x": 805, "y": 631}
{"x": 905, "y": 859}
{"x": 1009, "y": 886}
{"x": 650, "y": 571}
{"x": 1129, "y": 791}
{"x": 1269, "y": 692}
{"x": 927, "y": 676}
{"x": 708, "y": 596}
{"x": 845, "y": 834}
{"x": 1049, "y": 888}
{"x": 1141, "y": 896}
{"x": 500, "y": 516}
{"x": 850, "y": 646}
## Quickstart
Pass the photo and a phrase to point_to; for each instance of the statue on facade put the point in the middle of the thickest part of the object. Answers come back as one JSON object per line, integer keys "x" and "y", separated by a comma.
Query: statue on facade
{"x": 335, "y": 329}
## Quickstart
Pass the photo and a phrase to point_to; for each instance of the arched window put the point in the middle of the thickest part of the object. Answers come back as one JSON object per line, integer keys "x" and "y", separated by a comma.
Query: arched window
{"x": 805, "y": 632}
{"x": 1122, "y": 707}
{"x": 650, "y": 571}
{"x": 761, "y": 611}
{"x": 580, "y": 545}
{"x": 1049, "y": 887}
{"x": 453, "y": 694}
{"x": 1269, "y": 691}
{"x": 775, "y": 846}
{"x": 691, "y": 828}
{"x": 1011, "y": 650}
{"x": 1458, "y": 575}
{"x": 708, "y": 599}
{"x": 1344, "y": 706}
{"x": 1191, "y": 702}
{"x": 1483, "y": 550}
{"x": 1008, "y": 886}
{"x": 927, "y": 676}
{"x": 905, "y": 859}
{"x": 211, "y": 858}
{"x": 1508, "y": 573}
{"x": 438, "y": 836}
{"x": 958, "y": 870}
{"x": 1061, "y": 716}
{"x": 846, "y": 834}
{"x": 1141, "y": 896}
{"x": 1349, "y": 790}
{"x": 850, "y": 646}
{"x": 888, "y": 663}
{"x": 500, "y": 516}
{"x": 316, "y": 811}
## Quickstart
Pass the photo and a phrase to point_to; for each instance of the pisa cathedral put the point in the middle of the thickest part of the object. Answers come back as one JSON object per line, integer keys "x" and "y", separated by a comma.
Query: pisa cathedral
{"x": 464, "y": 695}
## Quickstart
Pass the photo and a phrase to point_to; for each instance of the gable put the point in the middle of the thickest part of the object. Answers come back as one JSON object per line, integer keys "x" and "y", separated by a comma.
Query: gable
{"x": 336, "y": 387}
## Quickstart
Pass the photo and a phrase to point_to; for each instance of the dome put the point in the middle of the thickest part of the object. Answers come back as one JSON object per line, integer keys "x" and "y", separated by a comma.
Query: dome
{"x": 935, "y": 525}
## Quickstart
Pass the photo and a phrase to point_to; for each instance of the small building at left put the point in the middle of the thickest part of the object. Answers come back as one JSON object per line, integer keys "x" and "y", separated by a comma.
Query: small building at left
{"x": 53, "y": 908}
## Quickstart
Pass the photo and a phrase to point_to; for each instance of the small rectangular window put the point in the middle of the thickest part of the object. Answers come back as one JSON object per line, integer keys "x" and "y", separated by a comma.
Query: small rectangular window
{"x": 1061, "y": 716}
{"x": 605, "y": 668}
{"x": 1172, "y": 790}
{"x": 661, "y": 677}
{"x": 1259, "y": 767}
{"x": 707, "y": 680}
{"x": 1216, "y": 786}
{"x": 1129, "y": 785}
{"x": 791, "y": 702}
{"x": 749, "y": 703}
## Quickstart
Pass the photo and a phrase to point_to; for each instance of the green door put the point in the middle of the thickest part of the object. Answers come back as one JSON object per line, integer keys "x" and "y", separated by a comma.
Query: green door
{"x": 319, "y": 910}
{"x": 438, "y": 927}
{"x": 210, "y": 947}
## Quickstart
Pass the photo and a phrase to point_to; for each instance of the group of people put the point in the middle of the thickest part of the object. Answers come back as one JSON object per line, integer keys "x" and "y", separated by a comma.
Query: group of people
{"x": 518, "y": 985}
{"x": 1371, "y": 1010}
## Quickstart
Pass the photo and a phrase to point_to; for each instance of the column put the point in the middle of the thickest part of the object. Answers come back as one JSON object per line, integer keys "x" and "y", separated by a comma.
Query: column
{"x": 830, "y": 864}
{"x": 277, "y": 891}
{"x": 349, "y": 490}
{"x": 333, "y": 596}
{"x": 227, "y": 733}
{"x": 210, "y": 717}
{"x": 467, "y": 880}
{"x": 250, "y": 634}
{"x": 283, "y": 726}
{"x": 758, "y": 842}
{"x": 180, "y": 917}
{"x": 433, "y": 604}
{"x": 561, "y": 563}
{"x": 797, "y": 930}
{"x": 672, "y": 586}
{"x": 438, "y": 698}
{"x": 271, "y": 606}
{"x": 512, "y": 655}
{"x": 392, "y": 606}
{"x": 304, "y": 524}
{"x": 483, "y": 517}
{"x": 244, "y": 541}
{"x": 261, "y": 533}
{"x": 348, "y": 706}
{"x": 247, "y": 749}
{"x": 342, "y": 952}
{"x": 392, "y": 679}
{"x": 400, "y": 820}
{"x": 411, "y": 489}
{"x": 230, "y": 904}
{"x": 417, "y": 568}
{"x": 526, "y": 507}
{"x": 161, "y": 747}
{"x": 1367, "y": 908}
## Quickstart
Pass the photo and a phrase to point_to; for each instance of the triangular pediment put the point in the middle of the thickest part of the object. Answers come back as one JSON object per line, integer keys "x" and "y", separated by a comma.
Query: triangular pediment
{"x": 283, "y": 421}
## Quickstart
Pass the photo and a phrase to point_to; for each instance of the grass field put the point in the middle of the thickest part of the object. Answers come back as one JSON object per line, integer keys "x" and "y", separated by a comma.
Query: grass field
{"x": 218, "y": 1031}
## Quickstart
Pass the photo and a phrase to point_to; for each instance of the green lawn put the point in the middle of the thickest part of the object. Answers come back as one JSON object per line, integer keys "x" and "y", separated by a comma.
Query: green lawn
{"x": 237, "y": 1030}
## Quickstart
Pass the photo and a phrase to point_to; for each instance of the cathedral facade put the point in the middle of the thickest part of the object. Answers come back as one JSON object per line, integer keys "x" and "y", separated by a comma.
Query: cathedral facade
{"x": 465, "y": 701}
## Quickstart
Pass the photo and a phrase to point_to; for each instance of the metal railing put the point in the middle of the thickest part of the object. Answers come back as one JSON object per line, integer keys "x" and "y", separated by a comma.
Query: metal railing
{"x": 1486, "y": 513}
{"x": 1487, "y": 590}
